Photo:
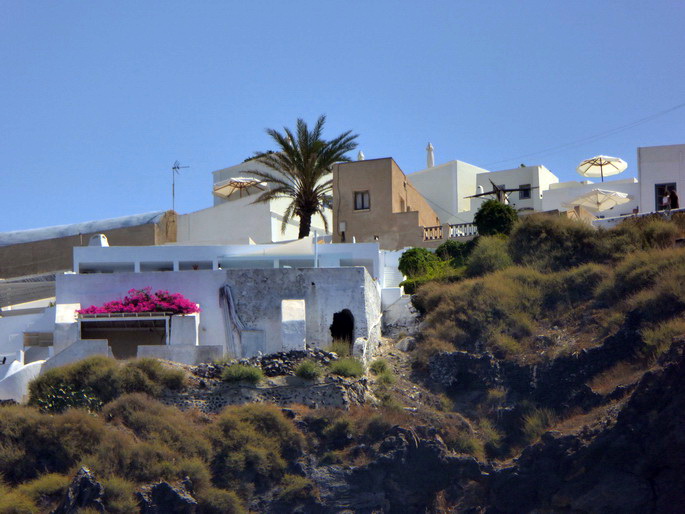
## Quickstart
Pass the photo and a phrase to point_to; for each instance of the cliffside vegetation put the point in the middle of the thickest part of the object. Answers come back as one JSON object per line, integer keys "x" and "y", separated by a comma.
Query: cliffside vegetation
{"x": 545, "y": 362}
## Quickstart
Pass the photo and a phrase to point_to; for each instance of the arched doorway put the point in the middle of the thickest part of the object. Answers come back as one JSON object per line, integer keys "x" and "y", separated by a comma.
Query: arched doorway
{"x": 342, "y": 328}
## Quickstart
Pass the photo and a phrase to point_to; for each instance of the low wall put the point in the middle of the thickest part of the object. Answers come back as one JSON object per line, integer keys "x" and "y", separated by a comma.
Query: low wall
{"x": 16, "y": 386}
{"x": 77, "y": 351}
{"x": 183, "y": 353}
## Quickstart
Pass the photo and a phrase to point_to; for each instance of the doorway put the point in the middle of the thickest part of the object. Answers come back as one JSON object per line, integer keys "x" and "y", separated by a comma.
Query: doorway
{"x": 342, "y": 328}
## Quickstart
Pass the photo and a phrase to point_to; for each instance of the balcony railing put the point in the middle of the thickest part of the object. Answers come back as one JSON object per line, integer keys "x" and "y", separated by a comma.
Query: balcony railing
{"x": 463, "y": 230}
{"x": 432, "y": 233}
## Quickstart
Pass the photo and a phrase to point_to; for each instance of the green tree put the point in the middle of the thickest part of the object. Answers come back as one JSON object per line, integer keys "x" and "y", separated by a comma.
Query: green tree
{"x": 494, "y": 217}
{"x": 417, "y": 261}
{"x": 303, "y": 161}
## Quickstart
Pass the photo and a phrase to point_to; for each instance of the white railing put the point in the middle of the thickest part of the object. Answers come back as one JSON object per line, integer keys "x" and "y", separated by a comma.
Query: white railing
{"x": 615, "y": 220}
{"x": 463, "y": 230}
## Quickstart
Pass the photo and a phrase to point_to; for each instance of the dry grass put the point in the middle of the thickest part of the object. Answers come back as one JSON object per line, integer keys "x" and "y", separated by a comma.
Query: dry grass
{"x": 621, "y": 374}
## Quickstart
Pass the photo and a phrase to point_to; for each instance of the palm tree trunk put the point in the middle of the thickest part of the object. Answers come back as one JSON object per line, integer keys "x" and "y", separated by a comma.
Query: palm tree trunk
{"x": 305, "y": 225}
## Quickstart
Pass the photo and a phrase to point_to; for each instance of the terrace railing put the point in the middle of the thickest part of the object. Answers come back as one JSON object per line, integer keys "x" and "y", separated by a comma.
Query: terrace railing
{"x": 432, "y": 233}
{"x": 463, "y": 230}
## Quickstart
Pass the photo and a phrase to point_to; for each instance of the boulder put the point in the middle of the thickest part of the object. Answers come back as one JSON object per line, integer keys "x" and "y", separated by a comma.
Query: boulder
{"x": 163, "y": 498}
{"x": 83, "y": 492}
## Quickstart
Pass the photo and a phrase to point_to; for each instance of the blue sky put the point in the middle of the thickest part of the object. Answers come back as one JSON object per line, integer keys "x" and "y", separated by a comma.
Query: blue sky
{"x": 98, "y": 99}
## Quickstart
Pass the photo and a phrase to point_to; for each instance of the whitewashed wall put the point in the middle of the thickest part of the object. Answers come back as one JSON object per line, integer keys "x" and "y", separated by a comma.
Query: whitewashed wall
{"x": 659, "y": 165}
{"x": 257, "y": 294}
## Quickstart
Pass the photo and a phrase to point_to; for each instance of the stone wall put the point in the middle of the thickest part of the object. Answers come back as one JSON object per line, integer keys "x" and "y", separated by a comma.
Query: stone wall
{"x": 333, "y": 392}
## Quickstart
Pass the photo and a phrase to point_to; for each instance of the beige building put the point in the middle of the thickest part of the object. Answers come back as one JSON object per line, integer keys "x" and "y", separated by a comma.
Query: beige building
{"x": 374, "y": 201}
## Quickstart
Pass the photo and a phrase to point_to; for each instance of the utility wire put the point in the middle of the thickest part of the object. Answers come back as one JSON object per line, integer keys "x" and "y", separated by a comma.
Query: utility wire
{"x": 594, "y": 137}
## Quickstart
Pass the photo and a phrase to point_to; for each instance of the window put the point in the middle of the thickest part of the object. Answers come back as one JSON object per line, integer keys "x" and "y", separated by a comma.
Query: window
{"x": 524, "y": 194}
{"x": 660, "y": 194}
{"x": 361, "y": 200}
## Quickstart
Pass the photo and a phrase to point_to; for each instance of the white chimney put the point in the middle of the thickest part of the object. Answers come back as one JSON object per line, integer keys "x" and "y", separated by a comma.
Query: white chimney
{"x": 360, "y": 156}
{"x": 430, "y": 159}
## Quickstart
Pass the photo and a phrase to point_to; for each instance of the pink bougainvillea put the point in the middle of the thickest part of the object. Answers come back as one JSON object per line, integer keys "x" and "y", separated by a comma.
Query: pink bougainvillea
{"x": 144, "y": 300}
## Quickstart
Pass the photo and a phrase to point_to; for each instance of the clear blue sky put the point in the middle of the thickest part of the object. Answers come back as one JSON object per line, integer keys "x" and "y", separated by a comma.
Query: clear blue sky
{"x": 97, "y": 99}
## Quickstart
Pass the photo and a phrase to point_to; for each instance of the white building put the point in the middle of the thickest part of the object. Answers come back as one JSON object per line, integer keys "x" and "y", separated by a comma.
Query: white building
{"x": 445, "y": 188}
{"x": 253, "y": 298}
{"x": 235, "y": 218}
{"x": 660, "y": 167}
{"x": 533, "y": 180}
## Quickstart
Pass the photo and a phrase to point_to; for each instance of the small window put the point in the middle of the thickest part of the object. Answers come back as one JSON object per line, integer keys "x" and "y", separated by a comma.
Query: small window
{"x": 524, "y": 192}
{"x": 361, "y": 200}
{"x": 661, "y": 193}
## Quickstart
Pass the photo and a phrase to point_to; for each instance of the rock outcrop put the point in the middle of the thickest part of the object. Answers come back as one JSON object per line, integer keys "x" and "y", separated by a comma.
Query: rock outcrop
{"x": 633, "y": 462}
{"x": 163, "y": 498}
{"x": 405, "y": 474}
{"x": 83, "y": 492}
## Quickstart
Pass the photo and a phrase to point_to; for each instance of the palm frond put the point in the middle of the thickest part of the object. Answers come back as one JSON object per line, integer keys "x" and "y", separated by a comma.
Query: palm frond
{"x": 303, "y": 161}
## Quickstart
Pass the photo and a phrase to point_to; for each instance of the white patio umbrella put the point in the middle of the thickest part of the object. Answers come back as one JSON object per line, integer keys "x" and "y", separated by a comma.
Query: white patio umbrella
{"x": 601, "y": 166}
{"x": 600, "y": 200}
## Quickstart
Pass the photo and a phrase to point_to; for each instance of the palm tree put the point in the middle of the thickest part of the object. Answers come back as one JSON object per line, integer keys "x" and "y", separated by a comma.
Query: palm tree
{"x": 303, "y": 162}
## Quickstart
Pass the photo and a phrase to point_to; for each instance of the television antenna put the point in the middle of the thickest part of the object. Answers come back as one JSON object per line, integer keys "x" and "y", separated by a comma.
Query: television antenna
{"x": 175, "y": 169}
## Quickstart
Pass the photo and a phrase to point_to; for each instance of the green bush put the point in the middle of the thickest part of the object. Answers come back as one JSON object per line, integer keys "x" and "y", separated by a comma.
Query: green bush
{"x": 379, "y": 366}
{"x": 347, "y": 367}
{"x": 309, "y": 370}
{"x": 490, "y": 254}
{"x": 242, "y": 373}
{"x": 443, "y": 273}
{"x": 417, "y": 261}
{"x": 494, "y": 217}
{"x": 386, "y": 377}
{"x": 58, "y": 399}
{"x": 456, "y": 252}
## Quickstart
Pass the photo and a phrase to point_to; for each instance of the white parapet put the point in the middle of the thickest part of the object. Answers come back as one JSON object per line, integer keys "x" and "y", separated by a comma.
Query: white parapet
{"x": 185, "y": 329}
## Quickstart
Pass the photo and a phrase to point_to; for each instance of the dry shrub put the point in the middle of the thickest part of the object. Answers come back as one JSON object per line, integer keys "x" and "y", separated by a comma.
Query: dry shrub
{"x": 621, "y": 373}
{"x": 553, "y": 243}
{"x": 657, "y": 338}
{"x": 15, "y": 502}
{"x": 46, "y": 490}
{"x": 489, "y": 255}
{"x": 32, "y": 442}
{"x": 481, "y": 312}
{"x": 252, "y": 444}
{"x": 119, "y": 495}
{"x": 535, "y": 423}
{"x": 639, "y": 271}
{"x": 108, "y": 378}
{"x": 150, "y": 420}
{"x": 219, "y": 501}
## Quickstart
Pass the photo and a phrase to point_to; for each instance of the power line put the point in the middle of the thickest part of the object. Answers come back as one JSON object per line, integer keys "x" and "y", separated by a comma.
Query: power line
{"x": 594, "y": 137}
